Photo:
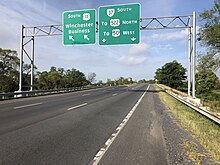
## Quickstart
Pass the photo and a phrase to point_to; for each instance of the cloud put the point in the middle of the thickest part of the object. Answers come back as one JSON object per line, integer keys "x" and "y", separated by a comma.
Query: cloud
{"x": 139, "y": 49}
{"x": 136, "y": 55}
{"x": 163, "y": 47}
{"x": 130, "y": 60}
{"x": 173, "y": 36}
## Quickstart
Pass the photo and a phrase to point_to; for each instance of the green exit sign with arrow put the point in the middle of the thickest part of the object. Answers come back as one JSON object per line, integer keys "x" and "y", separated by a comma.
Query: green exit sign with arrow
{"x": 79, "y": 27}
{"x": 119, "y": 24}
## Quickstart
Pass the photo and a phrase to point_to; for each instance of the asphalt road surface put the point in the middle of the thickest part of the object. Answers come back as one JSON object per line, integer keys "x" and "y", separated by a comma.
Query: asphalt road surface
{"x": 72, "y": 128}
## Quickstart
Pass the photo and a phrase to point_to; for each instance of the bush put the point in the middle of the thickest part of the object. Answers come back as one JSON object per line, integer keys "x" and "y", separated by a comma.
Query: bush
{"x": 206, "y": 80}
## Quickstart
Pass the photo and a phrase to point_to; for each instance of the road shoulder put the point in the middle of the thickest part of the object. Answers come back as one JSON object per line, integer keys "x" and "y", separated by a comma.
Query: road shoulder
{"x": 141, "y": 141}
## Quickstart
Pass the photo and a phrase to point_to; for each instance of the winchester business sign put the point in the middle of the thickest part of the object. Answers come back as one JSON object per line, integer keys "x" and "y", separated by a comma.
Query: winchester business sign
{"x": 79, "y": 27}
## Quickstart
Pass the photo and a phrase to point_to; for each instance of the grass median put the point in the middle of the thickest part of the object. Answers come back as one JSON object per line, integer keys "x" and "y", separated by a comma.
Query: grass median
{"x": 203, "y": 129}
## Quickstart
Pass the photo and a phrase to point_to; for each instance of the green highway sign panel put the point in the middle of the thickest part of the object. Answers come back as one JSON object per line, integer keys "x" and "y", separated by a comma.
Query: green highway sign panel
{"x": 79, "y": 27}
{"x": 119, "y": 24}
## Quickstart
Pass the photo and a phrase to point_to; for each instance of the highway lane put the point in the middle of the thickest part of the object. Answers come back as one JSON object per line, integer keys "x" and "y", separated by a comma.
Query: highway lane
{"x": 49, "y": 133}
{"x": 17, "y": 114}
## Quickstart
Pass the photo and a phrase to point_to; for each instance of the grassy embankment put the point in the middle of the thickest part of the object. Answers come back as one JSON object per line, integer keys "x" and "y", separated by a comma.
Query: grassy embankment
{"x": 211, "y": 100}
{"x": 204, "y": 130}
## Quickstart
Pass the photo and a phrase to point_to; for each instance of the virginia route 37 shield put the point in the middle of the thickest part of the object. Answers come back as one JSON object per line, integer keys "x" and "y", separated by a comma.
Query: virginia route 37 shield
{"x": 79, "y": 27}
{"x": 119, "y": 24}
{"x": 110, "y": 12}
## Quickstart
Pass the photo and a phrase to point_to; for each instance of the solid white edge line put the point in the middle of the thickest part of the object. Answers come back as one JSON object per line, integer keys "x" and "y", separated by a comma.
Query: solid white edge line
{"x": 148, "y": 87}
{"x": 115, "y": 94}
{"x": 29, "y": 105}
{"x": 81, "y": 105}
{"x": 108, "y": 143}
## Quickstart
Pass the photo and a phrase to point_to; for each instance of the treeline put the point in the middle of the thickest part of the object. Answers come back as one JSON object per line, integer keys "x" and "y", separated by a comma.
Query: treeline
{"x": 54, "y": 79}
{"x": 9, "y": 64}
{"x": 119, "y": 81}
{"x": 207, "y": 83}
{"x": 173, "y": 74}
{"x": 60, "y": 78}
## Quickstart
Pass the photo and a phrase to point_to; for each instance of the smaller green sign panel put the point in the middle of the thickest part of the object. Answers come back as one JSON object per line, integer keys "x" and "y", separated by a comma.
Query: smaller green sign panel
{"x": 79, "y": 27}
{"x": 119, "y": 24}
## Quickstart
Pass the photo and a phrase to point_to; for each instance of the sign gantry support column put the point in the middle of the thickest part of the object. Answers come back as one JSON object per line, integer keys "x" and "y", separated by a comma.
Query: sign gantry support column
{"x": 32, "y": 66}
{"x": 28, "y": 35}
{"x": 21, "y": 59}
{"x": 194, "y": 57}
{"x": 189, "y": 70}
{"x": 174, "y": 22}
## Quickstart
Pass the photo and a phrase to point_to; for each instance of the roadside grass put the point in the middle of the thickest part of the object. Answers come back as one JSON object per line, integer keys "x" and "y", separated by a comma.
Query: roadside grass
{"x": 203, "y": 129}
{"x": 212, "y": 100}
{"x": 192, "y": 152}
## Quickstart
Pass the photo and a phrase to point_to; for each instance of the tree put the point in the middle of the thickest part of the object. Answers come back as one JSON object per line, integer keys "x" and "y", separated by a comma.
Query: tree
{"x": 209, "y": 33}
{"x": 9, "y": 63}
{"x": 27, "y": 74}
{"x": 59, "y": 78}
{"x": 171, "y": 74}
{"x": 100, "y": 83}
{"x": 205, "y": 81}
{"x": 43, "y": 81}
{"x": 120, "y": 81}
{"x": 75, "y": 78}
{"x": 142, "y": 81}
{"x": 208, "y": 61}
{"x": 55, "y": 78}
{"x": 91, "y": 77}
{"x": 110, "y": 82}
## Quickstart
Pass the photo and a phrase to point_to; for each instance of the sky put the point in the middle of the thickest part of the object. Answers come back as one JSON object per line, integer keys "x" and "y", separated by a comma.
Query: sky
{"x": 140, "y": 61}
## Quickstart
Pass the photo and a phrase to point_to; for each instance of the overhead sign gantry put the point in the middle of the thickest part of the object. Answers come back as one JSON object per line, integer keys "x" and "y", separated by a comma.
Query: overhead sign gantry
{"x": 81, "y": 30}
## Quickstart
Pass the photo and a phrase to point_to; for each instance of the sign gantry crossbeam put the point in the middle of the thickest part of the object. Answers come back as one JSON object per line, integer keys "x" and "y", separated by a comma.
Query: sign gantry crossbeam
{"x": 37, "y": 31}
{"x": 166, "y": 22}
{"x": 146, "y": 24}
{"x": 28, "y": 35}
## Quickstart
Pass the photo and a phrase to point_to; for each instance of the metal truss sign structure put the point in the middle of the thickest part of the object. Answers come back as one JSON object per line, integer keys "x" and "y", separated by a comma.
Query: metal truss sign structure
{"x": 28, "y": 35}
{"x": 119, "y": 24}
{"x": 79, "y": 27}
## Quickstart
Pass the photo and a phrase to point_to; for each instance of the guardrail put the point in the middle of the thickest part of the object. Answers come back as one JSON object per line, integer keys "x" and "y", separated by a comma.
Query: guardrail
{"x": 16, "y": 94}
{"x": 194, "y": 105}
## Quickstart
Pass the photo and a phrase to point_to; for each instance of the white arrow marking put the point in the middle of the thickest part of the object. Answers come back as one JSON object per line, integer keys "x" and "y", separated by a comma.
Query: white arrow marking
{"x": 71, "y": 38}
{"x": 133, "y": 39}
{"x": 104, "y": 40}
{"x": 86, "y": 37}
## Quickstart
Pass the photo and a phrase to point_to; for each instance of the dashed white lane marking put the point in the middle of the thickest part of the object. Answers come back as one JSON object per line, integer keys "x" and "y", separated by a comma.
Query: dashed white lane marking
{"x": 29, "y": 105}
{"x": 115, "y": 94}
{"x": 87, "y": 94}
{"x": 78, "y": 106}
{"x": 108, "y": 143}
